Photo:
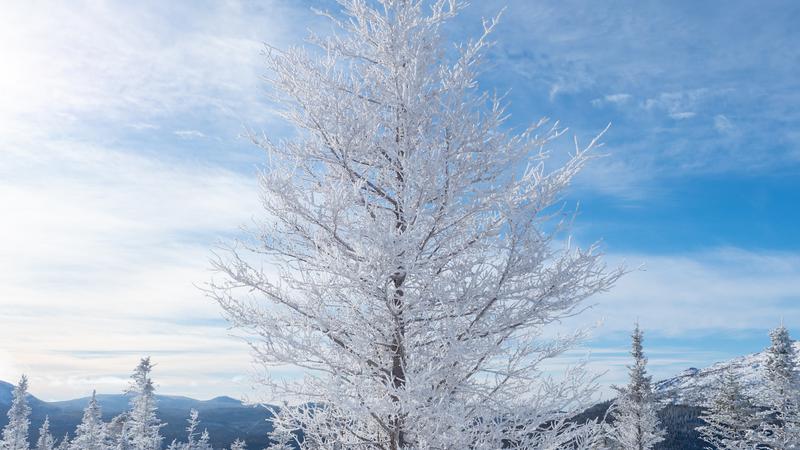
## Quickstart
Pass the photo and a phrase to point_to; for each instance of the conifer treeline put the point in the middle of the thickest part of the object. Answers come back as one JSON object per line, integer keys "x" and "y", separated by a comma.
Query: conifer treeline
{"x": 733, "y": 419}
{"x": 139, "y": 428}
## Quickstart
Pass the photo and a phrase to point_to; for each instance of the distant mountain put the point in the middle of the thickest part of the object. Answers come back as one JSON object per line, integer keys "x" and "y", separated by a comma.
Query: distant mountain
{"x": 225, "y": 418}
{"x": 692, "y": 386}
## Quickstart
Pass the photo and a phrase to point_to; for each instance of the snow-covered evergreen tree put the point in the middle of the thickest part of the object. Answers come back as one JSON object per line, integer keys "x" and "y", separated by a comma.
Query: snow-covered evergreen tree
{"x": 192, "y": 430}
{"x": 91, "y": 433}
{"x": 15, "y": 433}
{"x": 635, "y": 413}
{"x": 141, "y": 429}
{"x": 46, "y": 440}
{"x": 64, "y": 444}
{"x": 117, "y": 434}
{"x": 194, "y": 439}
{"x": 780, "y": 428}
{"x": 419, "y": 248}
{"x": 239, "y": 444}
{"x": 204, "y": 443}
{"x": 730, "y": 418}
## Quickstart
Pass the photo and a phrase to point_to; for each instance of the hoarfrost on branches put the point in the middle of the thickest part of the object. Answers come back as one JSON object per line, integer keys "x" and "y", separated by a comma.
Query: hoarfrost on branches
{"x": 780, "y": 428}
{"x": 46, "y": 440}
{"x": 418, "y": 247}
{"x": 730, "y": 418}
{"x": 238, "y": 444}
{"x": 91, "y": 432}
{"x": 139, "y": 429}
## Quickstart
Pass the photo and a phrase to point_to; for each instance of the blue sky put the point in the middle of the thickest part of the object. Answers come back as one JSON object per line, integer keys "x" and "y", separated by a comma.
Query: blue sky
{"x": 121, "y": 165}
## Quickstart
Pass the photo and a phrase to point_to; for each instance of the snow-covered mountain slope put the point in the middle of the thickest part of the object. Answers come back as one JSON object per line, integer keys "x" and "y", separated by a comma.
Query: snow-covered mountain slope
{"x": 693, "y": 386}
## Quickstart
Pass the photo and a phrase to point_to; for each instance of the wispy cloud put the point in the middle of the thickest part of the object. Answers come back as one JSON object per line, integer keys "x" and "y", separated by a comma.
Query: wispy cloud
{"x": 723, "y": 124}
{"x": 118, "y": 61}
{"x": 107, "y": 226}
{"x": 725, "y": 289}
{"x": 104, "y": 249}
{"x": 119, "y": 167}
{"x": 190, "y": 134}
{"x": 614, "y": 99}
{"x": 663, "y": 74}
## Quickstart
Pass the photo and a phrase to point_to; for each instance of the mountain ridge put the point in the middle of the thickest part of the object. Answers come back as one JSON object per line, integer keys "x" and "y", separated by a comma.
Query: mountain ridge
{"x": 225, "y": 418}
{"x": 692, "y": 386}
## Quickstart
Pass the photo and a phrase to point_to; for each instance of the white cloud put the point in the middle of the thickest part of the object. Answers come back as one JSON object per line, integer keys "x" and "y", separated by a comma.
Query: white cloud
{"x": 680, "y": 115}
{"x": 102, "y": 245}
{"x": 615, "y": 178}
{"x": 725, "y": 289}
{"x": 104, "y": 236}
{"x": 679, "y": 105}
{"x": 720, "y": 292}
{"x": 102, "y": 252}
{"x": 189, "y": 134}
{"x": 722, "y": 124}
{"x": 614, "y": 99}
{"x": 118, "y": 60}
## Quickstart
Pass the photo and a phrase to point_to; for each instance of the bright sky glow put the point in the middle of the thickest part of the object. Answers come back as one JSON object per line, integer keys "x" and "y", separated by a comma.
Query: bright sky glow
{"x": 121, "y": 166}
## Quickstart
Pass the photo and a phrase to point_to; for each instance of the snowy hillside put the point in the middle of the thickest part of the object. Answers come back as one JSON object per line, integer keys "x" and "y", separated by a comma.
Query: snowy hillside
{"x": 692, "y": 386}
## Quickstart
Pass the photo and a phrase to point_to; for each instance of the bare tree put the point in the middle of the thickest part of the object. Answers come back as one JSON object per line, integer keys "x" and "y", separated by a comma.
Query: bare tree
{"x": 413, "y": 251}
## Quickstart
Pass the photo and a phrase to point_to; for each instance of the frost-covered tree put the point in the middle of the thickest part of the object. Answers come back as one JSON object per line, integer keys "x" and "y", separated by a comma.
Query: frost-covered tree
{"x": 194, "y": 439}
{"x": 204, "y": 443}
{"x": 730, "y": 418}
{"x": 191, "y": 431}
{"x": 281, "y": 439}
{"x": 91, "y": 433}
{"x": 46, "y": 440}
{"x": 117, "y": 433}
{"x": 418, "y": 248}
{"x": 15, "y": 433}
{"x": 780, "y": 428}
{"x": 140, "y": 427}
{"x": 635, "y": 413}
{"x": 64, "y": 444}
{"x": 239, "y": 444}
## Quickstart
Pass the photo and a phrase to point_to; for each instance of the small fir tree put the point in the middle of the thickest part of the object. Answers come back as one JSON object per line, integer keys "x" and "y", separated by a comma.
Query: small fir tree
{"x": 635, "y": 414}
{"x": 46, "y": 440}
{"x": 780, "y": 427}
{"x": 730, "y": 417}
{"x": 193, "y": 442}
{"x": 142, "y": 427}
{"x": 191, "y": 429}
{"x": 204, "y": 443}
{"x": 91, "y": 433}
{"x": 238, "y": 444}
{"x": 15, "y": 433}
{"x": 64, "y": 444}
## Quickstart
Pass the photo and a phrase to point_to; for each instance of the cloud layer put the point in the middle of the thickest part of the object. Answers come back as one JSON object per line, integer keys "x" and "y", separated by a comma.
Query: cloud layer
{"x": 120, "y": 167}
